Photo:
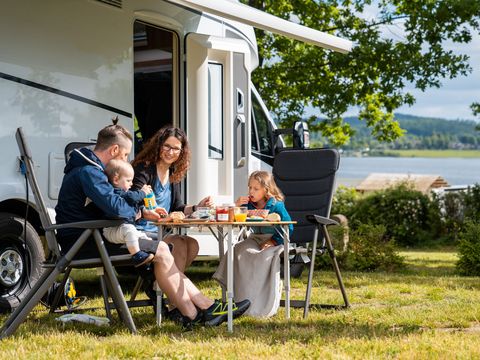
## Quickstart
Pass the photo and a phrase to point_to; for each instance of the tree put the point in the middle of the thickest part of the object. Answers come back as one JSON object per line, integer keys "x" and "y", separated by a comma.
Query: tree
{"x": 404, "y": 44}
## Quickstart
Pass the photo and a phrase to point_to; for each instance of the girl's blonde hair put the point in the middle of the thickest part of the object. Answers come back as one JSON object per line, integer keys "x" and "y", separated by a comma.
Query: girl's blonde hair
{"x": 266, "y": 180}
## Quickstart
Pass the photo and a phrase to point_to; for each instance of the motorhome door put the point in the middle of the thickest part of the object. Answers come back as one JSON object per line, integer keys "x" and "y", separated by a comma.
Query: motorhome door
{"x": 217, "y": 118}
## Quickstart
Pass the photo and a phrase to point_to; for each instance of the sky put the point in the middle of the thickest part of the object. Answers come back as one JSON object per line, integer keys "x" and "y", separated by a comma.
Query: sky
{"x": 453, "y": 99}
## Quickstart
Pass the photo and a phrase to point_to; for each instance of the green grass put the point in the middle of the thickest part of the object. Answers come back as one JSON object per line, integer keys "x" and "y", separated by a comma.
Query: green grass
{"x": 422, "y": 312}
{"x": 434, "y": 153}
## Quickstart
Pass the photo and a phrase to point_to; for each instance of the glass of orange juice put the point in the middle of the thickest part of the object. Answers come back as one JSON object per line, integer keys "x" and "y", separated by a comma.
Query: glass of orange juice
{"x": 241, "y": 214}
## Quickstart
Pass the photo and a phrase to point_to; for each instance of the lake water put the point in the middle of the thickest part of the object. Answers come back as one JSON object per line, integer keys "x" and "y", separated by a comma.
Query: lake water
{"x": 456, "y": 171}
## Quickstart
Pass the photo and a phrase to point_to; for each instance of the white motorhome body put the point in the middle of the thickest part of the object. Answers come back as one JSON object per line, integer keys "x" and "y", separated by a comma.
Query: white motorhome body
{"x": 67, "y": 67}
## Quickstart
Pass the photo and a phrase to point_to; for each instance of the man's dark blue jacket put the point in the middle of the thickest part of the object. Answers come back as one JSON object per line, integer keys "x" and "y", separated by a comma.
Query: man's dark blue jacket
{"x": 86, "y": 194}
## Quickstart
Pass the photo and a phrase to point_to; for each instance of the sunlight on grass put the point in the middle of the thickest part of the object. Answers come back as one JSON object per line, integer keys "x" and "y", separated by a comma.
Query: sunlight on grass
{"x": 425, "y": 311}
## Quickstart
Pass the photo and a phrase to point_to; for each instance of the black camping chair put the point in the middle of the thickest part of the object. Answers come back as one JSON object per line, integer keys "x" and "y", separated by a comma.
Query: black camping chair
{"x": 59, "y": 263}
{"x": 307, "y": 178}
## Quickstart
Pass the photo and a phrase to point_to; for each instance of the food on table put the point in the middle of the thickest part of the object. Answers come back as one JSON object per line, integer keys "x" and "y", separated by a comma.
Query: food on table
{"x": 258, "y": 212}
{"x": 176, "y": 216}
{"x": 273, "y": 217}
{"x": 222, "y": 213}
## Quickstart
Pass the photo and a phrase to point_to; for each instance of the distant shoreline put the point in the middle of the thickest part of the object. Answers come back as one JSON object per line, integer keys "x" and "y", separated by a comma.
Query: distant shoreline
{"x": 416, "y": 153}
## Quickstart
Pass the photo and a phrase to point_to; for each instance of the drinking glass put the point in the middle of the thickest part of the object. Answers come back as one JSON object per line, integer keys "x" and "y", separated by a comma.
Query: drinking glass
{"x": 241, "y": 214}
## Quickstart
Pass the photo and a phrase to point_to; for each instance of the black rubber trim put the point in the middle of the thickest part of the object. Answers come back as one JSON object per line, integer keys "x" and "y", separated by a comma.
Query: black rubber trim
{"x": 64, "y": 93}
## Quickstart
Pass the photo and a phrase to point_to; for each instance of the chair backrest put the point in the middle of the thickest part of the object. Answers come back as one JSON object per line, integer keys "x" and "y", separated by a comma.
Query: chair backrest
{"x": 26, "y": 157}
{"x": 307, "y": 179}
{"x": 76, "y": 145}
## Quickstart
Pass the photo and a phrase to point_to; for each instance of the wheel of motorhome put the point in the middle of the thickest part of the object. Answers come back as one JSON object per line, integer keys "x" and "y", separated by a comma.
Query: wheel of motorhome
{"x": 21, "y": 256}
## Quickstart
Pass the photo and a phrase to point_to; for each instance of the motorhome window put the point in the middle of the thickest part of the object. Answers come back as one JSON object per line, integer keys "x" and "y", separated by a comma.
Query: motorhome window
{"x": 253, "y": 131}
{"x": 215, "y": 111}
{"x": 263, "y": 127}
{"x": 155, "y": 74}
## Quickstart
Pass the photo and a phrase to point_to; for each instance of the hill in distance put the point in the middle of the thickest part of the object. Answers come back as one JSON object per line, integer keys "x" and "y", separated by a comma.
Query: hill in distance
{"x": 420, "y": 133}
{"x": 420, "y": 126}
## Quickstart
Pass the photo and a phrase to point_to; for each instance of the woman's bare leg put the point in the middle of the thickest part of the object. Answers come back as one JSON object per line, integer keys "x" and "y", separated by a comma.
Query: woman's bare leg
{"x": 192, "y": 250}
{"x": 185, "y": 250}
{"x": 180, "y": 290}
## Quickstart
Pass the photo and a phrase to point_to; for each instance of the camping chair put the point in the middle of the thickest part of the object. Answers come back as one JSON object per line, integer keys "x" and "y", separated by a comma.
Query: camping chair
{"x": 58, "y": 263}
{"x": 307, "y": 178}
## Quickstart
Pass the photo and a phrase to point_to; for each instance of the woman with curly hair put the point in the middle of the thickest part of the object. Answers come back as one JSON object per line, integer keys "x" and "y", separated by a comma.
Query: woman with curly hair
{"x": 162, "y": 164}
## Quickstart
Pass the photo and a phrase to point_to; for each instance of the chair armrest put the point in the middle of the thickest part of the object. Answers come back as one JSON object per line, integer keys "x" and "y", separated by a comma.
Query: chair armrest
{"x": 91, "y": 224}
{"x": 317, "y": 219}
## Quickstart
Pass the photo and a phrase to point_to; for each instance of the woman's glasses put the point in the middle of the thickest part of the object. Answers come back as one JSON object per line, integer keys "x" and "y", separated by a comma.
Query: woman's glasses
{"x": 168, "y": 148}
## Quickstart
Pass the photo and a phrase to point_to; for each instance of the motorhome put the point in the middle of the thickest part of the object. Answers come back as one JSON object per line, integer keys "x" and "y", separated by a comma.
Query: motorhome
{"x": 68, "y": 67}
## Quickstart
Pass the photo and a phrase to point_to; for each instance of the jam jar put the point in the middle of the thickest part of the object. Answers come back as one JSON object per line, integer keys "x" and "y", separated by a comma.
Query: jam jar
{"x": 222, "y": 213}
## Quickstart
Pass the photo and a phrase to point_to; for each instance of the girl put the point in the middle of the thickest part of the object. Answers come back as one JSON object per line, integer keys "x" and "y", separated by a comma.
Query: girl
{"x": 256, "y": 260}
{"x": 263, "y": 193}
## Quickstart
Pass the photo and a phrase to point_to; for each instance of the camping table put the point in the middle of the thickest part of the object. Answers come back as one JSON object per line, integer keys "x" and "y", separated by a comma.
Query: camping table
{"x": 222, "y": 230}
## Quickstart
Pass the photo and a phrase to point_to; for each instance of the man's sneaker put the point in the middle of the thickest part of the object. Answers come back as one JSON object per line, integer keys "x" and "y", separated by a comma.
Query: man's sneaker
{"x": 218, "y": 312}
{"x": 141, "y": 258}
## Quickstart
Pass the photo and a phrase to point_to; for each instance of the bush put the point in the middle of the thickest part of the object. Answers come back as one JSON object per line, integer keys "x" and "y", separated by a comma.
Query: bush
{"x": 469, "y": 250}
{"x": 409, "y": 216}
{"x": 451, "y": 207}
{"x": 457, "y": 208}
{"x": 368, "y": 250}
{"x": 471, "y": 200}
{"x": 344, "y": 201}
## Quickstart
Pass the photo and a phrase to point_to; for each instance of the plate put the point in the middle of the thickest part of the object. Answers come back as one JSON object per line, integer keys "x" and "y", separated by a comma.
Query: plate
{"x": 254, "y": 220}
{"x": 186, "y": 220}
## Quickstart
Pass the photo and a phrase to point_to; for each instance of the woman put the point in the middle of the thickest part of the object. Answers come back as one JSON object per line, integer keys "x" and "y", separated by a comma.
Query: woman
{"x": 162, "y": 164}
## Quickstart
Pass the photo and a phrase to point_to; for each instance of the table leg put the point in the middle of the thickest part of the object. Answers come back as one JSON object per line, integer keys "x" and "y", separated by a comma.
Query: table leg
{"x": 160, "y": 233}
{"x": 230, "y": 277}
{"x": 221, "y": 253}
{"x": 286, "y": 269}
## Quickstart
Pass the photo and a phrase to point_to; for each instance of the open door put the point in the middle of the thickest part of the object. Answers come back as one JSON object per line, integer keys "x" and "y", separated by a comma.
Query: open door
{"x": 156, "y": 99}
{"x": 217, "y": 118}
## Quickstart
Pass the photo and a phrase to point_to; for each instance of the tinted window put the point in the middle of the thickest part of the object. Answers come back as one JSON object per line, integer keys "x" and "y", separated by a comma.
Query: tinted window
{"x": 215, "y": 111}
{"x": 263, "y": 128}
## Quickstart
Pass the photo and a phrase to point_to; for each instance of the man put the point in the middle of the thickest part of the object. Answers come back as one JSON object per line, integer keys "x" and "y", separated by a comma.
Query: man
{"x": 86, "y": 194}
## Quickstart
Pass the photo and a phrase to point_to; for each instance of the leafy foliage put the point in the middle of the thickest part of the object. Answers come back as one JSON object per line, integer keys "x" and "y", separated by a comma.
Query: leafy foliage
{"x": 344, "y": 200}
{"x": 402, "y": 45}
{"x": 469, "y": 250}
{"x": 472, "y": 203}
{"x": 409, "y": 216}
{"x": 369, "y": 249}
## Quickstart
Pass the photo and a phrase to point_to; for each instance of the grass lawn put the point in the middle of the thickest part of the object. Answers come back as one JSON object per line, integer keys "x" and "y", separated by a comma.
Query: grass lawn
{"x": 422, "y": 312}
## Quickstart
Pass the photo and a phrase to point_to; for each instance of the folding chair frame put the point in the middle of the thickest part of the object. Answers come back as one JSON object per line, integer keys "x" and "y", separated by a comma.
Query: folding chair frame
{"x": 58, "y": 264}
{"x": 306, "y": 178}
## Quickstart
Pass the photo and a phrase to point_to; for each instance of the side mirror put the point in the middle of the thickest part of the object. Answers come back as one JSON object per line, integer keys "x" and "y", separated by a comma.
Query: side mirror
{"x": 301, "y": 135}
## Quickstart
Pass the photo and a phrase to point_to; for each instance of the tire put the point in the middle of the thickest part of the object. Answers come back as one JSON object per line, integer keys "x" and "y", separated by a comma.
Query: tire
{"x": 20, "y": 261}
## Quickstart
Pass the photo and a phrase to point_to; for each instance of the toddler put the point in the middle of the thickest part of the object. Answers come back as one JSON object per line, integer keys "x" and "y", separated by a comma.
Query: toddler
{"x": 120, "y": 174}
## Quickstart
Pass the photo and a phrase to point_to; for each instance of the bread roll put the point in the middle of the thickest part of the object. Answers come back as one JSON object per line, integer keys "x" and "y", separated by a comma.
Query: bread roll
{"x": 273, "y": 217}
{"x": 177, "y": 216}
